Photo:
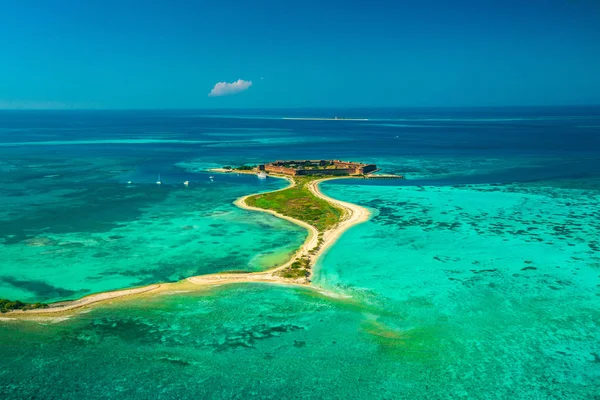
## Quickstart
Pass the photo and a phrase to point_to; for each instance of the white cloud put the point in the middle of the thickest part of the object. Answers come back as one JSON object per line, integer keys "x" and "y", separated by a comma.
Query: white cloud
{"x": 226, "y": 89}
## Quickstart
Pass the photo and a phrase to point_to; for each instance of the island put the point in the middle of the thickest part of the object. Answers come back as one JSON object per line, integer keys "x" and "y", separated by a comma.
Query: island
{"x": 317, "y": 167}
{"x": 292, "y": 168}
{"x": 301, "y": 202}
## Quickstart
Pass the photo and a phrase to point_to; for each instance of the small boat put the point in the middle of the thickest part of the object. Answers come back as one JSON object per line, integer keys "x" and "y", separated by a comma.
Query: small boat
{"x": 158, "y": 182}
{"x": 129, "y": 182}
{"x": 262, "y": 175}
{"x": 186, "y": 183}
{"x": 211, "y": 178}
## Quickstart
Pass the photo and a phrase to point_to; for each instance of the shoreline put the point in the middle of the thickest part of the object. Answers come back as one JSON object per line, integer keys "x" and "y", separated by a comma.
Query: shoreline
{"x": 352, "y": 215}
{"x": 231, "y": 171}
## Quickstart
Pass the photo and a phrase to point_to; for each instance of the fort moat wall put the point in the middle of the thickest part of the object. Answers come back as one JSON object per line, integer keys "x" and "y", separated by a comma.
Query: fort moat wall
{"x": 320, "y": 167}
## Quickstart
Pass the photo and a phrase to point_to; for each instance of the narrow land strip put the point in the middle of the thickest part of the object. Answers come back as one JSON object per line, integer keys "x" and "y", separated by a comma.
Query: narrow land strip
{"x": 314, "y": 246}
{"x": 88, "y": 300}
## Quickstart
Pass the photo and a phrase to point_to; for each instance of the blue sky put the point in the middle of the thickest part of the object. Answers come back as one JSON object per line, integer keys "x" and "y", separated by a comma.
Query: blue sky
{"x": 170, "y": 54}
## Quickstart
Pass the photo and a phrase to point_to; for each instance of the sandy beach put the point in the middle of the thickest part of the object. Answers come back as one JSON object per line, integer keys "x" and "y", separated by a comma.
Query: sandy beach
{"x": 231, "y": 171}
{"x": 64, "y": 306}
{"x": 352, "y": 215}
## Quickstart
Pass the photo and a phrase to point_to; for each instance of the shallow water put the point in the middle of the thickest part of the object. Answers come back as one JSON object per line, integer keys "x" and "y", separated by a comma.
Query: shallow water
{"x": 77, "y": 238}
{"x": 507, "y": 277}
{"x": 477, "y": 277}
{"x": 231, "y": 342}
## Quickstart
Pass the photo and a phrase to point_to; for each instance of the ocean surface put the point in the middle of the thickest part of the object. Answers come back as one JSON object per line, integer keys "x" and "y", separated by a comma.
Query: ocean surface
{"x": 476, "y": 277}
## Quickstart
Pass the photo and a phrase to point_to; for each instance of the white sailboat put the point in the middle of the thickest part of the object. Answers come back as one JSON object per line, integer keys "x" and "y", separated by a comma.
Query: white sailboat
{"x": 158, "y": 182}
{"x": 186, "y": 183}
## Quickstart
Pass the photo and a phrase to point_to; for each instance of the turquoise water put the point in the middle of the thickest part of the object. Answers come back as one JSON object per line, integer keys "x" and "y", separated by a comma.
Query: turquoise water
{"x": 468, "y": 291}
{"x": 478, "y": 277}
{"x": 506, "y": 276}
{"x": 77, "y": 238}
{"x": 234, "y": 342}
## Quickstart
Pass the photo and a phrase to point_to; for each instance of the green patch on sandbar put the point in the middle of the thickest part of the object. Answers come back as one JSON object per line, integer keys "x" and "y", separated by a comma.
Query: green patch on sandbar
{"x": 298, "y": 202}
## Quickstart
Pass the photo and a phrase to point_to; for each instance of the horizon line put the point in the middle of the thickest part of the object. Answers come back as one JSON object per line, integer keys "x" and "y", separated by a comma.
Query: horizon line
{"x": 299, "y": 108}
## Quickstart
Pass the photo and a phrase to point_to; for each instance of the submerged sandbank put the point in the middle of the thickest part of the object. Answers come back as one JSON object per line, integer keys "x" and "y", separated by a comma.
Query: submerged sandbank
{"x": 311, "y": 249}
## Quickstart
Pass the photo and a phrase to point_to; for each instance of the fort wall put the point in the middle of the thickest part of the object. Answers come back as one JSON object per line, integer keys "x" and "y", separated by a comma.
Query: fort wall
{"x": 280, "y": 169}
{"x": 320, "y": 167}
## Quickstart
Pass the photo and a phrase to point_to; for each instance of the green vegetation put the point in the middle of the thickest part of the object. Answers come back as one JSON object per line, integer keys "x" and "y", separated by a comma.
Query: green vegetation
{"x": 8, "y": 305}
{"x": 227, "y": 167}
{"x": 244, "y": 168}
{"x": 298, "y": 269}
{"x": 325, "y": 164}
{"x": 319, "y": 244}
{"x": 298, "y": 202}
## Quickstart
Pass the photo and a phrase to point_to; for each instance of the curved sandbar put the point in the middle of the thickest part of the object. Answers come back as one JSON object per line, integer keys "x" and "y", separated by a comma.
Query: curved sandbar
{"x": 64, "y": 306}
{"x": 352, "y": 215}
{"x": 311, "y": 250}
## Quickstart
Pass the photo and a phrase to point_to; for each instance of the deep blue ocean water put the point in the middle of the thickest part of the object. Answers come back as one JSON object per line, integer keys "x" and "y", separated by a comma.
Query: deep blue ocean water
{"x": 477, "y": 277}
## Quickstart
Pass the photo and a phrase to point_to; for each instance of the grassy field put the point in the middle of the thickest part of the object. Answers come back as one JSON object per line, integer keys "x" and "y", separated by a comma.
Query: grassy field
{"x": 298, "y": 202}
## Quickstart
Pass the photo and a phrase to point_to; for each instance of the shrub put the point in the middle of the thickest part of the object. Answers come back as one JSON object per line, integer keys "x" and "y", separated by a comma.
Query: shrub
{"x": 8, "y": 305}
